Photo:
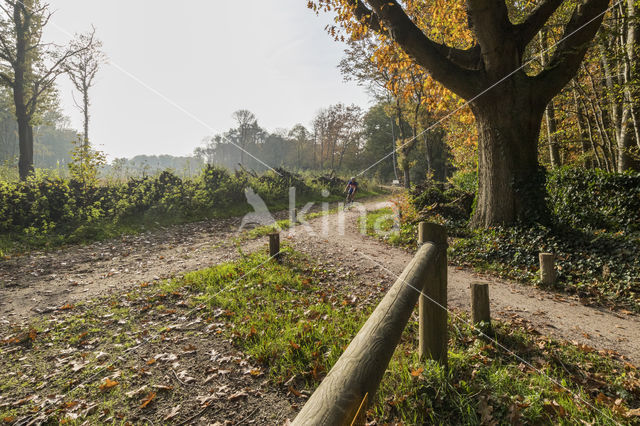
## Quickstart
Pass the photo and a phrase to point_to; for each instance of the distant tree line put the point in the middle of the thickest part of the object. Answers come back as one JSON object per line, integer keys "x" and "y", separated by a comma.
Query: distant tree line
{"x": 341, "y": 138}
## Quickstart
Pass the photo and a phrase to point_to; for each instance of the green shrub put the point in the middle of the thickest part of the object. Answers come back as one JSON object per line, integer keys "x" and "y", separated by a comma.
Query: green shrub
{"x": 48, "y": 209}
{"x": 595, "y": 199}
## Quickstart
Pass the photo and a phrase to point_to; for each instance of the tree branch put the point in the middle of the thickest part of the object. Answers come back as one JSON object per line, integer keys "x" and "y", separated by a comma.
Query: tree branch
{"x": 468, "y": 58}
{"x": 7, "y": 80}
{"x": 526, "y": 31}
{"x": 579, "y": 32}
{"x": 425, "y": 51}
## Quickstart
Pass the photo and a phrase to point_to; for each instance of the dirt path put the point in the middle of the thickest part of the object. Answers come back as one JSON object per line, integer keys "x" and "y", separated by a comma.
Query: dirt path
{"x": 44, "y": 281}
{"x": 552, "y": 314}
{"x": 41, "y": 282}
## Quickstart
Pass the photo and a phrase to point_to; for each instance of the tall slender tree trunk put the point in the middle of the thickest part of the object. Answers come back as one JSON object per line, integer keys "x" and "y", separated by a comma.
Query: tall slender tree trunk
{"x": 550, "y": 112}
{"x": 22, "y": 70}
{"x": 629, "y": 127}
{"x": 404, "y": 162}
{"x": 582, "y": 131}
{"x": 552, "y": 128}
{"x": 85, "y": 96}
{"x": 25, "y": 138}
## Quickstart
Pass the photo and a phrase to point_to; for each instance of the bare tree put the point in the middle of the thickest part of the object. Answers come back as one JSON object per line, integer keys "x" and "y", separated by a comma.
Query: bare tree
{"x": 246, "y": 121}
{"x": 82, "y": 70}
{"x": 29, "y": 66}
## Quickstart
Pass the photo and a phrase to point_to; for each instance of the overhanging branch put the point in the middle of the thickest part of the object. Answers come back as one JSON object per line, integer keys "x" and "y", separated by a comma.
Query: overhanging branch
{"x": 444, "y": 63}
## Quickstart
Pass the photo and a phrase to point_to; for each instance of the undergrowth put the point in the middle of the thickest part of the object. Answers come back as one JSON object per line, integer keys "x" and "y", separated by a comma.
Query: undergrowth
{"x": 46, "y": 212}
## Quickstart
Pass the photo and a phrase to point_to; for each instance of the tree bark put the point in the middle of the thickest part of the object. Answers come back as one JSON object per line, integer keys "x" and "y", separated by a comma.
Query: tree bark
{"x": 550, "y": 113}
{"x": 25, "y": 137}
{"x": 406, "y": 175}
{"x": 508, "y": 132}
{"x": 552, "y": 128}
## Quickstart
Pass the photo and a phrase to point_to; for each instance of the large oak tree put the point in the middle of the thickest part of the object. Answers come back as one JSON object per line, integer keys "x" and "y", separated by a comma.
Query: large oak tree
{"x": 507, "y": 103}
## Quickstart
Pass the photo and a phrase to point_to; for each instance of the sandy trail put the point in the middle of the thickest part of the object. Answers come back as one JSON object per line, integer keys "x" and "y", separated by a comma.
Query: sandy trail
{"x": 551, "y": 314}
{"x": 41, "y": 282}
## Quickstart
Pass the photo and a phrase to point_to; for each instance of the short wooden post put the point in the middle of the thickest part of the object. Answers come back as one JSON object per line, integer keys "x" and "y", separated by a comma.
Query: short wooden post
{"x": 274, "y": 246}
{"x": 480, "y": 308}
{"x": 547, "y": 268}
{"x": 433, "y": 300}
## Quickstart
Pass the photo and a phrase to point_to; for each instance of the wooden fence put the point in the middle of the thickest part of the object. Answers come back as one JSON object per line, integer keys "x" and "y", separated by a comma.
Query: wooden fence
{"x": 352, "y": 382}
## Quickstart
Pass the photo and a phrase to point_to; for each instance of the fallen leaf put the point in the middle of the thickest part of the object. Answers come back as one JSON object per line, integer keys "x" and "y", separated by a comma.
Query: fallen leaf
{"x": 238, "y": 395}
{"x": 108, "y": 384}
{"x": 136, "y": 392}
{"x": 147, "y": 400}
{"x": 418, "y": 372}
{"x": 183, "y": 375}
{"x": 163, "y": 387}
{"x": 294, "y": 391}
{"x": 174, "y": 412}
{"x": 633, "y": 413}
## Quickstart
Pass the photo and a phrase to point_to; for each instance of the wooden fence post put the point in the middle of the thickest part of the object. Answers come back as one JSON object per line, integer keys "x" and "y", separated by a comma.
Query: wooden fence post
{"x": 480, "y": 307}
{"x": 433, "y": 300}
{"x": 547, "y": 268}
{"x": 274, "y": 246}
{"x": 293, "y": 217}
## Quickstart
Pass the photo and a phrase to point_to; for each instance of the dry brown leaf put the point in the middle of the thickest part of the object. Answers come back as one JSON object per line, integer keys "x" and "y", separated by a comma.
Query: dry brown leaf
{"x": 418, "y": 372}
{"x": 294, "y": 391}
{"x": 238, "y": 395}
{"x": 633, "y": 413}
{"x": 108, "y": 384}
{"x": 147, "y": 400}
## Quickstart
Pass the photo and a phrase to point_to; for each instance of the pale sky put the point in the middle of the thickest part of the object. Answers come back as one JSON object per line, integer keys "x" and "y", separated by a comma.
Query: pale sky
{"x": 207, "y": 59}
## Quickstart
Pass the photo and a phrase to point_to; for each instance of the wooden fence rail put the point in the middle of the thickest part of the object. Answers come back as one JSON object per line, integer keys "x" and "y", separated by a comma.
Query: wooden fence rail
{"x": 359, "y": 370}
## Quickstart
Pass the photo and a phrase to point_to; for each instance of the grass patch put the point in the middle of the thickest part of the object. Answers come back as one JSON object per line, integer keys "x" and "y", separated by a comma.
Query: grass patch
{"x": 293, "y": 328}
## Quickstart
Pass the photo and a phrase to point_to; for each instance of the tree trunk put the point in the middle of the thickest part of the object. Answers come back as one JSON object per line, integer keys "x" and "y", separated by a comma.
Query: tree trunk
{"x": 552, "y": 128}
{"x": 407, "y": 176}
{"x": 510, "y": 181}
{"x": 85, "y": 95}
{"x": 582, "y": 131}
{"x": 25, "y": 137}
{"x": 550, "y": 113}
